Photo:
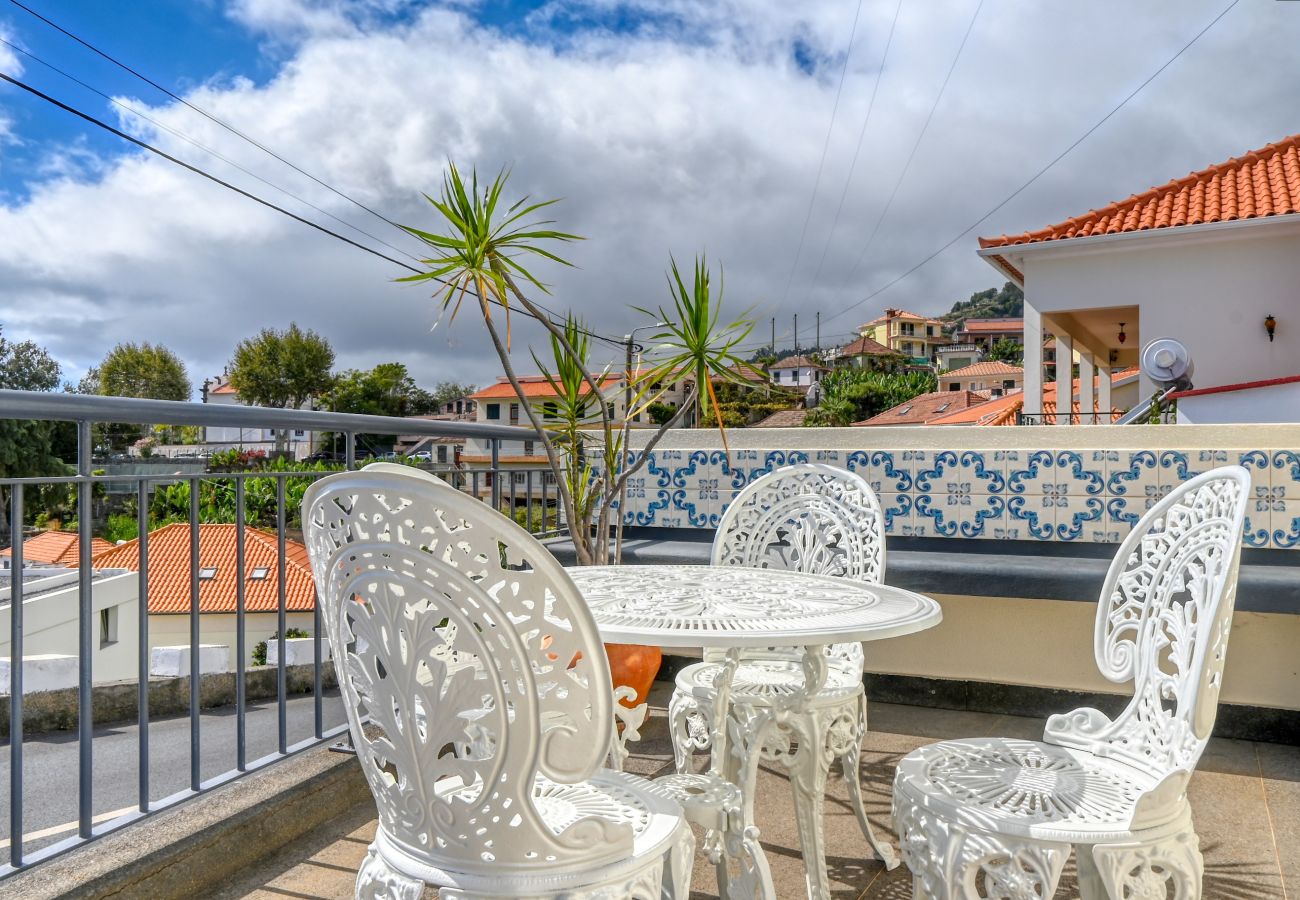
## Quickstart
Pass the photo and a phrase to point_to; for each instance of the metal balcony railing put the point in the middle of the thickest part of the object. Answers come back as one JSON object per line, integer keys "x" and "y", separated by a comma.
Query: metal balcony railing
{"x": 526, "y": 493}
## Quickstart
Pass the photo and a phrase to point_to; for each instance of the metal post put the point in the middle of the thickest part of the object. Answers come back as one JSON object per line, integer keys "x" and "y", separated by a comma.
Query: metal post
{"x": 142, "y": 639}
{"x": 241, "y": 639}
{"x": 85, "y": 675}
{"x": 281, "y": 617}
{"x": 496, "y": 476}
{"x": 796, "y": 334}
{"x": 818, "y": 347}
{"x": 350, "y": 452}
{"x": 195, "y": 675}
{"x": 16, "y": 678}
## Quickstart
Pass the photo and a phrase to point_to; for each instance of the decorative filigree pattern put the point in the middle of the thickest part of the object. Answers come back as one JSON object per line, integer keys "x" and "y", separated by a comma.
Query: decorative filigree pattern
{"x": 482, "y": 676}
{"x": 973, "y": 815}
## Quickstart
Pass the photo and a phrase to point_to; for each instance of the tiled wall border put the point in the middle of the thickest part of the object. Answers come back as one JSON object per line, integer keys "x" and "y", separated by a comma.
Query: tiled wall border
{"x": 1008, "y": 493}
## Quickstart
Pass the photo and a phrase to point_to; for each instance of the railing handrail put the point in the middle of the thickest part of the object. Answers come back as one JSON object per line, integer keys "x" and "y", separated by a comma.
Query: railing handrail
{"x": 131, "y": 411}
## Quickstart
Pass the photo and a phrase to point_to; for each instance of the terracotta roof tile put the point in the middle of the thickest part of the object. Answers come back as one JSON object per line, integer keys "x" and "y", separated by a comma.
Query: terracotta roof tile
{"x": 169, "y": 570}
{"x": 533, "y": 385}
{"x": 58, "y": 548}
{"x": 796, "y": 362}
{"x": 992, "y": 326}
{"x": 988, "y": 367}
{"x": 924, "y": 408}
{"x": 785, "y": 418}
{"x": 865, "y": 346}
{"x": 1265, "y": 182}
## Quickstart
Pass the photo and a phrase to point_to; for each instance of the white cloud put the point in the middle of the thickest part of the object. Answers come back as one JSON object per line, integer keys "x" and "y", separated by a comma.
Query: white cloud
{"x": 697, "y": 131}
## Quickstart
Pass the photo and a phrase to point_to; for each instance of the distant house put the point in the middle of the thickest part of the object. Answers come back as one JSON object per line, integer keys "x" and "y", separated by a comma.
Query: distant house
{"x": 54, "y": 548}
{"x": 784, "y": 418}
{"x": 924, "y": 408}
{"x": 796, "y": 371}
{"x": 219, "y": 580}
{"x": 1009, "y": 409}
{"x": 908, "y": 334}
{"x": 1206, "y": 259}
{"x": 994, "y": 376}
{"x": 987, "y": 332}
{"x": 865, "y": 353}
{"x": 220, "y": 392}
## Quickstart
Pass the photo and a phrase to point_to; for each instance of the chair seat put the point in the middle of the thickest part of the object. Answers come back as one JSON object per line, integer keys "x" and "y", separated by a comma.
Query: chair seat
{"x": 1029, "y": 789}
{"x": 760, "y": 682}
{"x": 654, "y": 817}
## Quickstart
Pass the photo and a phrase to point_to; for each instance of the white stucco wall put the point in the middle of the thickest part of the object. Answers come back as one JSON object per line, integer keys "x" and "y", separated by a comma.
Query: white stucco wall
{"x": 1210, "y": 289}
{"x": 219, "y": 628}
{"x": 1277, "y": 403}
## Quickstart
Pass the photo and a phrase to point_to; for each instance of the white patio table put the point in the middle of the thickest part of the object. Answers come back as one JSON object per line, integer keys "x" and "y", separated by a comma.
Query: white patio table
{"x": 733, "y": 608}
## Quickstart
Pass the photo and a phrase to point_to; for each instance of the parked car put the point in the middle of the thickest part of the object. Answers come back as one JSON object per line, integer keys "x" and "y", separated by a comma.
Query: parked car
{"x": 326, "y": 456}
{"x": 422, "y": 456}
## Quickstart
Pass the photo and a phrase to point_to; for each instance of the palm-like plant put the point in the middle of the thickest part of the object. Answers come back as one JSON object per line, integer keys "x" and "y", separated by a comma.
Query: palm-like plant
{"x": 479, "y": 254}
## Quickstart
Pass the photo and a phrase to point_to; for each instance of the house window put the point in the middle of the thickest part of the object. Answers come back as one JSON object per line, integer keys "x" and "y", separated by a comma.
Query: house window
{"x": 260, "y": 573}
{"x": 1008, "y": 384}
{"x": 494, "y": 410}
{"x": 207, "y": 573}
{"x": 514, "y": 412}
{"x": 955, "y": 386}
{"x": 549, "y": 410}
{"x": 108, "y": 626}
{"x": 299, "y": 433}
{"x": 609, "y": 410}
{"x": 548, "y": 478}
{"x": 528, "y": 448}
{"x": 442, "y": 453}
{"x": 905, "y": 410}
{"x": 521, "y": 477}
{"x": 929, "y": 331}
{"x": 941, "y": 407}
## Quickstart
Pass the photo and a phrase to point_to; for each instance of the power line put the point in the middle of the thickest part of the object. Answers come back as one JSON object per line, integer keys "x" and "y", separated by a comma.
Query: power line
{"x": 251, "y": 196}
{"x": 920, "y": 137}
{"x": 830, "y": 127}
{"x": 968, "y": 229}
{"x": 184, "y": 137}
{"x": 848, "y": 179}
{"x": 228, "y": 127}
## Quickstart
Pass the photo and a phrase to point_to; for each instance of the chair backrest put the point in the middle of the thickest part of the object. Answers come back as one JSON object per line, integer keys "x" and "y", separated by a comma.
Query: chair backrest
{"x": 403, "y": 469}
{"x": 810, "y": 518}
{"x": 1163, "y": 622}
{"x": 455, "y": 634}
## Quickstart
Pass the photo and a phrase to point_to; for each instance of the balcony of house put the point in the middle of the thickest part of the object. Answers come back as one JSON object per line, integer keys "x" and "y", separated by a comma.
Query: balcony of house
{"x": 1012, "y": 533}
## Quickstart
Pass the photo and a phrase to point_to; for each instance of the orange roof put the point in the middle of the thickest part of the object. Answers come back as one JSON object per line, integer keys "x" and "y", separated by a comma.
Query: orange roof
{"x": 902, "y": 314}
{"x": 989, "y": 367}
{"x": 783, "y": 418}
{"x": 58, "y": 548}
{"x": 1005, "y": 409}
{"x": 226, "y": 388}
{"x": 992, "y": 326}
{"x": 533, "y": 385}
{"x": 1265, "y": 182}
{"x": 865, "y": 346}
{"x": 924, "y": 408}
{"x": 169, "y": 570}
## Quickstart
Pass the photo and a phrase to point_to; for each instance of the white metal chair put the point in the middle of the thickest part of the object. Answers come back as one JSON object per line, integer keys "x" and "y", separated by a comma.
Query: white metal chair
{"x": 456, "y": 634}
{"x": 816, "y": 519}
{"x": 997, "y": 818}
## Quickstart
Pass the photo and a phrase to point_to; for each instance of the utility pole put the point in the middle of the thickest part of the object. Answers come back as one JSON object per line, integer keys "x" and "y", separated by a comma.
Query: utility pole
{"x": 819, "y": 332}
{"x": 774, "y": 335}
{"x": 796, "y": 334}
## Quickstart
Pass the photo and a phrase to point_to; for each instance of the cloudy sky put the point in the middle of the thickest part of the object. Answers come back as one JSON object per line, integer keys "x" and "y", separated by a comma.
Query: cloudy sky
{"x": 667, "y": 127}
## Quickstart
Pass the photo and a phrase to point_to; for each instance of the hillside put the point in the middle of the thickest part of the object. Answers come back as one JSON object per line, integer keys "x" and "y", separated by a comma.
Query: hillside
{"x": 990, "y": 304}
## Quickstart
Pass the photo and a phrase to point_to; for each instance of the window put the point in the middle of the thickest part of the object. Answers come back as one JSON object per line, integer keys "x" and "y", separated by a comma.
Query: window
{"x": 528, "y": 448}
{"x": 905, "y": 410}
{"x": 929, "y": 331}
{"x": 514, "y": 412}
{"x": 549, "y": 410}
{"x": 521, "y": 477}
{"x": 941, "y": 407}
{"x": 259, "y": 573}
{"x": 609, "y": 410}
{"x": 636, "y": 417}
{"x": 299, "y": 433}
{"x": 108, "y": 626}
{"x": 955, "y": 386}
{"x": 207, "y": 573}
{"x": 548, "y": 478}
{"x": 442, "y": 453}
{"x": 1008, "y": 384}
{"x": 494, "y": 410}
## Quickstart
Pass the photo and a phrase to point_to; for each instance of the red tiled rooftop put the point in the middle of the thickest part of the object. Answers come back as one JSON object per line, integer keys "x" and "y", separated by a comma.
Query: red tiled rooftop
{"x": 796, "y": 362}
{"x": 58, "y": 548}
{"x": 169, "y": 570}
{"x": 989, "y": 367}
{"x": 992, "y": 326}
{"x": 783, "y": 418}
{"x": 924, "y": 408}
{"x": 1265, "y": 182}
{"x": 865, "y": 346}
{"x": 533, "y": 386}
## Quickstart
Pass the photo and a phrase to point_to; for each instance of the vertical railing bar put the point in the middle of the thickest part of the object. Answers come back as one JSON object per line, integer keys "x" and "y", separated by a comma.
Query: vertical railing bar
{"x": 513, "y": 501}
{"x": 318, "y": 705}
{"x": 142, "y": 640}
{"x": 241, "y": 639}
{"x": 474, "y": 483}
{"x": 195, "y": 674}
{"x": 16, "y": 678}
{"x": 496, "y": 476}
{"x": 281, "y": 616}
{"x": 86, "y": 615}
{"x": 350, "y": 450}
{"x": 528, "y": 503}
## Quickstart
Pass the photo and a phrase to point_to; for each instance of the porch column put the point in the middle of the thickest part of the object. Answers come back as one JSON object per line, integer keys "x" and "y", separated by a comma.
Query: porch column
{"x": 1064, "y": 378}
{"x": 1086, "y": 393}
{"x": 1033, "y": 400}
{"x": 1103, "y": 391}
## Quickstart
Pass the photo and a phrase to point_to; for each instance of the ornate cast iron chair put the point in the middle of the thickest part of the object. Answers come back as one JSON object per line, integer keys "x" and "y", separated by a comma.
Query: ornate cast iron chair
{"x": 997, "y": 818}
{"x": 809, "y": 518}
{"x": 456, "y": 635}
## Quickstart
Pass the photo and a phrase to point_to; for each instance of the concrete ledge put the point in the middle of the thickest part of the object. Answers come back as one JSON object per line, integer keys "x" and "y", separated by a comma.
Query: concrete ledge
{"x": 196, "y": 847}
{"x": 116, "y": 701}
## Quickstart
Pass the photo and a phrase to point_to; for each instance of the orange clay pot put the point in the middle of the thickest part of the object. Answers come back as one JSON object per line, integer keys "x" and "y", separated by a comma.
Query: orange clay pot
{"x": 634, "y": 666}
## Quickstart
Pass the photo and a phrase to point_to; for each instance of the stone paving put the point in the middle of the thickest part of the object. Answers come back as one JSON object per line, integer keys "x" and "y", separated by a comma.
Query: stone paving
{"x": 1245, "y": 797}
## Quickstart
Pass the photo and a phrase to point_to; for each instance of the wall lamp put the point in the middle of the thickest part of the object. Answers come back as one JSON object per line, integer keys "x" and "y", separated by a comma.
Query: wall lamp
{"x": 1270, "y": 325}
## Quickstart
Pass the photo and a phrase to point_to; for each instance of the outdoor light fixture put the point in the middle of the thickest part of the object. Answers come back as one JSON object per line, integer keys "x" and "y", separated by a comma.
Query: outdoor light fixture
{"x": 1270, "y": 325}
{"x": 1122, "y": 336}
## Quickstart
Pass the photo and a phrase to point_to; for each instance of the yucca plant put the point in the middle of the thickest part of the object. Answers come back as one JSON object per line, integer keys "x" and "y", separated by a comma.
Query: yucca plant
{"x": 480, "y": 252}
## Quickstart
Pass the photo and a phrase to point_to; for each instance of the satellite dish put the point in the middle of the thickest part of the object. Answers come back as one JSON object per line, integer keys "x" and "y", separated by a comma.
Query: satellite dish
{"x": 1167, "y": 362}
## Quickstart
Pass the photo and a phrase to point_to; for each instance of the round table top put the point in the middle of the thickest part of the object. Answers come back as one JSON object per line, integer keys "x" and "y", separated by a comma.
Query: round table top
{"x": 732, "y": 606}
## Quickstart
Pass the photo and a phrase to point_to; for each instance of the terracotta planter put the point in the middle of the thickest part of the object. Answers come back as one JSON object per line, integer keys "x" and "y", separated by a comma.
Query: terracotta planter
{"x": 635, "y": 667}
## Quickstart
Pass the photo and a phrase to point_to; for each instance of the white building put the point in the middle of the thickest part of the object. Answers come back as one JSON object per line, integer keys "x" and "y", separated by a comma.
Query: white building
{"x": 220, "y": 392}
{"x": 1208, "y": 259}
{"x": 796, "y": 371}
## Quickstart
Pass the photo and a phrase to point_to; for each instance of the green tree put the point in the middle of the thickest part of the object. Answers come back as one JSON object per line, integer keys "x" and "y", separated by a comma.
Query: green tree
{"x": 148, "y": 371}
{"x": 27, "y": 446}
{"x": 1008, "y": 351}
{"x": 447, "y": 392}
{"x": 282, "y": 369}
{"x": 851, "y": 395}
